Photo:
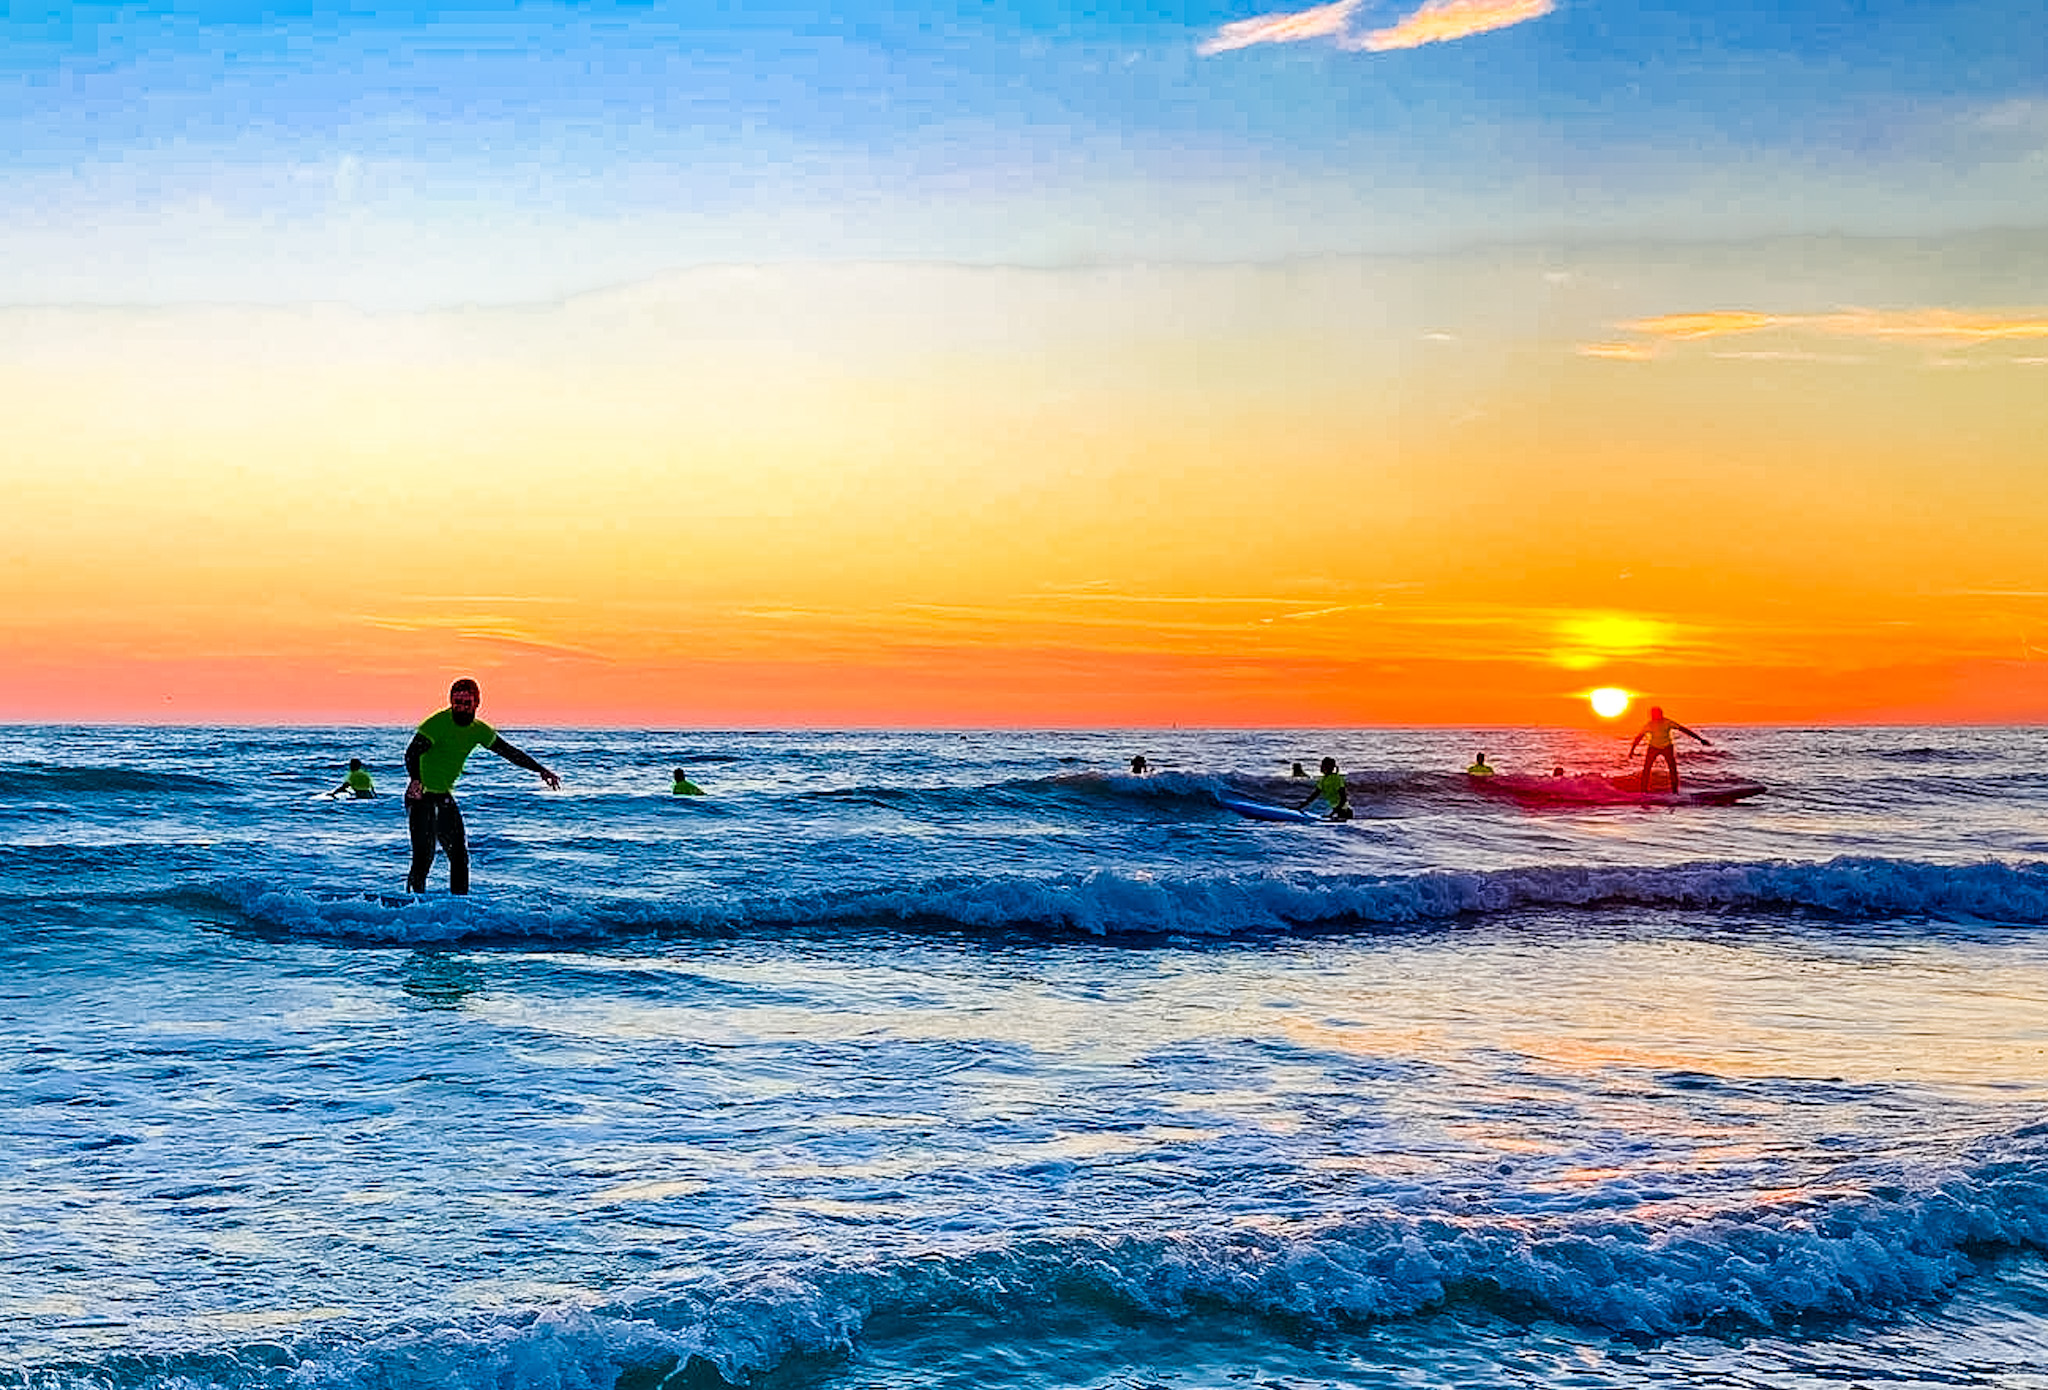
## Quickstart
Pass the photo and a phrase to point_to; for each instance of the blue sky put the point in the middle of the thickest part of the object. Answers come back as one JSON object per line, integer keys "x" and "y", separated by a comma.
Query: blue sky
{"x": 414, "y": 154}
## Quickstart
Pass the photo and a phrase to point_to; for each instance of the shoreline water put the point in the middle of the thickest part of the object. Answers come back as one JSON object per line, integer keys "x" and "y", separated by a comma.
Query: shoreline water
{"x": 907, "y": 1064}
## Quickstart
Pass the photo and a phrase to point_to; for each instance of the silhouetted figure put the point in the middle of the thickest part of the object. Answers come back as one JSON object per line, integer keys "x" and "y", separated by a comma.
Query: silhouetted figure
{"x": 1659, "y": 730}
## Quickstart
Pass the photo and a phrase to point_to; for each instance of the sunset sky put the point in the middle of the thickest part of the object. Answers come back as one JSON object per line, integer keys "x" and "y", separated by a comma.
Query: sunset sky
{"x": 1032, "y": 364}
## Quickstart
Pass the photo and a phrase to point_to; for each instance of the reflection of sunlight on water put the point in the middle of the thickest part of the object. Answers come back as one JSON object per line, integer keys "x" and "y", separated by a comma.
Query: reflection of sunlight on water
{"x": 1488, "y": 1138}
{"x": 649, "y": 1191}
{"x": 840, "y": 1210}
{"x": 1381, "y": 1165}
{"x": 1364, "y": 1039}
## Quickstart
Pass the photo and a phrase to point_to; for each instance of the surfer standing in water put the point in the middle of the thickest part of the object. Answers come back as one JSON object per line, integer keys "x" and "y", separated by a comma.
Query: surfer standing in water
{"x": 433, "y": 762}
{"x": 358, "y": 783}
{"x": 1331, "y": 788}
{"x": 1659, "y": 730}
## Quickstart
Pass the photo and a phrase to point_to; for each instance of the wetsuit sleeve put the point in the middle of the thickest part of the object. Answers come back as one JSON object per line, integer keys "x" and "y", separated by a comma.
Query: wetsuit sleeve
{"x": 502, "y": 746}
{"x": 420, "y": 744}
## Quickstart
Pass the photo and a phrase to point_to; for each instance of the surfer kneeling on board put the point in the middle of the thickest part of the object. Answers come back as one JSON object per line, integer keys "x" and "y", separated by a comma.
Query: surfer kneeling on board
{"x": 357, "y": 784}
{"x": 1659, "y": 730}
{"x": 433, "y": 762}
{"x": 1330, "y": 787}
{"x": 1480, "y": 767}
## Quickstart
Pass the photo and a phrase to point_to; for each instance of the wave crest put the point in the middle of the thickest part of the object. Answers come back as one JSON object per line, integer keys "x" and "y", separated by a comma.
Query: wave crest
{"x": 1224, "y": 905}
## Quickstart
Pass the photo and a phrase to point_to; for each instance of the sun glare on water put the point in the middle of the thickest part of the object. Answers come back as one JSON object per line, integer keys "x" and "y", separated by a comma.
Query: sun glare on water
{"x": 1609, "y": 701}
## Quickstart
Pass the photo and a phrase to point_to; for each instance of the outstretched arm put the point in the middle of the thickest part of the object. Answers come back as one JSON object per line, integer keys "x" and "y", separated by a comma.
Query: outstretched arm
{"x": 502, "y": 746}
{"x": 1634, "y": 741}
{"x": 419, "y": 745}
{"x": 1683, "y": 730}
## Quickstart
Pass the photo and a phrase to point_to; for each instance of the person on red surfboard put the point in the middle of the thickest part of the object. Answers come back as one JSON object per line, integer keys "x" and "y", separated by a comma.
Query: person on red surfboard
{"x": 1659, "y": 730}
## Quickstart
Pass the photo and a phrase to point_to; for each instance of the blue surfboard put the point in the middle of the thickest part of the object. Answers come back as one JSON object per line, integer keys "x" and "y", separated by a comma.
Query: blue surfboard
{"x": 1260, "y": 810}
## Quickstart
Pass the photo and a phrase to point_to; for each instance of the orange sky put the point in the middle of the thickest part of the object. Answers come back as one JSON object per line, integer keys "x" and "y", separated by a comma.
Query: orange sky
{"x": 1458, "y": 490}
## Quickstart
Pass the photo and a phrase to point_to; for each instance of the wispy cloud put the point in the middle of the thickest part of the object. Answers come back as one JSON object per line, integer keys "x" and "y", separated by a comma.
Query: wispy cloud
{"x": 1438, "y": 21}
{"x": 1323, "y": 22}
{"x": 1441, "y": 21}
{"x": 484, "y": 628}
{"x": 1935, "y": 328}
{"x": 1618, "y": 352}
{"x": 1934, "y": 325}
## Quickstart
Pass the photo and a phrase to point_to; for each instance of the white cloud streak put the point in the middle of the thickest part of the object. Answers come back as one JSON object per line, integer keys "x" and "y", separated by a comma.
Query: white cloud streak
{"x": 1439, "y": 21}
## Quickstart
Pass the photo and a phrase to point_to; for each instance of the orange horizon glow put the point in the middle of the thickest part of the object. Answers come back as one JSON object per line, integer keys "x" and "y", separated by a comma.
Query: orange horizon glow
{"x": 942, "y": 496}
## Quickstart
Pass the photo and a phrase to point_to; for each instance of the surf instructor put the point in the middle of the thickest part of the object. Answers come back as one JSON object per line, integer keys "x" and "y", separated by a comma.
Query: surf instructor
{"x": 433, "y": 762}
{"x": 1659, "y": 730}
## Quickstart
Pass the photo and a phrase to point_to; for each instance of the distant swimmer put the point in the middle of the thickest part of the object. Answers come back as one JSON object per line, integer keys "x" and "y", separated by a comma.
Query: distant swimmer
{"x": 1331, "y": 788}
{"x": 1299, "y": 771}
{"x": 357, "y": 783}
{"x": 1480, "y": 767}
{"x": 1557, "y": 771}
{"x": 1658, "y": 730}
{"x": 684, "y": 786}
{"x": 1139, "y": 767}
{"x": 433, "y": 762}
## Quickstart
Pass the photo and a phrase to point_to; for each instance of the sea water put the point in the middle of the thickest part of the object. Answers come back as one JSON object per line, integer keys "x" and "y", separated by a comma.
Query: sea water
{"x": 970, "y": 1059}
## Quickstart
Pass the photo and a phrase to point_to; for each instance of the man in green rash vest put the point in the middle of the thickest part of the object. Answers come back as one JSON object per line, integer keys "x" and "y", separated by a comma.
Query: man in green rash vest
{"x": 433, "y": 762}
{"x": 358, "y": 783}
{"x": 684, "y": 786}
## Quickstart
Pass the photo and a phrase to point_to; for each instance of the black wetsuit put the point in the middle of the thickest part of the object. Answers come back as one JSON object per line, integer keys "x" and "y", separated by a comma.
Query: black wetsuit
{"x": 435, "y": 816}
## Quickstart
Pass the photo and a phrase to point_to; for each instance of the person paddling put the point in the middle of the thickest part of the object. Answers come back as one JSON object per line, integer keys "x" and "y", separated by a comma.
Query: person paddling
{"x": 1659, "y": 730}
{"x": 433, "y": 762}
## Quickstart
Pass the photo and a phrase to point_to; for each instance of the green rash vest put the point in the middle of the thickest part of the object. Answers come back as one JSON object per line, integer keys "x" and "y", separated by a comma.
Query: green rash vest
{"x": 441, "y": 764}
{"x": 1330, "y": 787}
{"x": 359, "y": 782}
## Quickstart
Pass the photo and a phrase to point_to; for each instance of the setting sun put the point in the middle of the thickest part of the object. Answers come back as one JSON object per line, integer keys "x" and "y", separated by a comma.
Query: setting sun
{"x": 1608, "y": 701}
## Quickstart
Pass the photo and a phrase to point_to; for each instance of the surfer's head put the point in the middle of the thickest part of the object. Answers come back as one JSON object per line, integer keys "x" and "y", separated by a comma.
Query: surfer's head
{"x": 355, "y": 764}
{"x": 1656, "y": 711}
{"x": 1329, "y": 764}
{"x": 463, "y": 698}
{"x": 682, "y": 776}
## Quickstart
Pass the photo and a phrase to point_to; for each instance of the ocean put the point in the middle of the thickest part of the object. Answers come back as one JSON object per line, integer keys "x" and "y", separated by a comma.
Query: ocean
{"x": 949, "y": 1059}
